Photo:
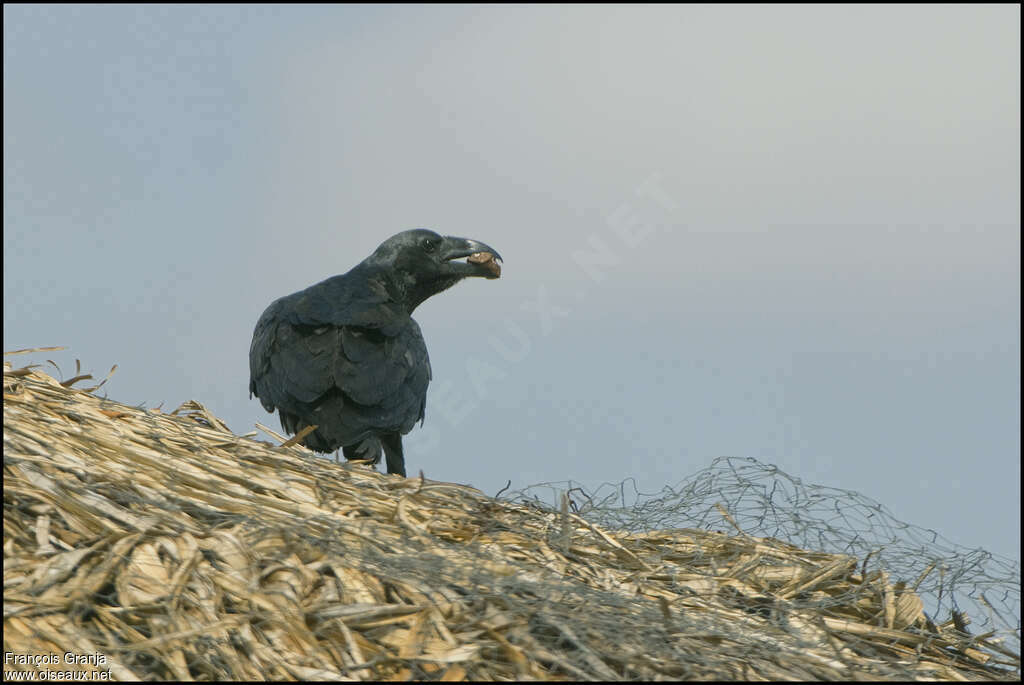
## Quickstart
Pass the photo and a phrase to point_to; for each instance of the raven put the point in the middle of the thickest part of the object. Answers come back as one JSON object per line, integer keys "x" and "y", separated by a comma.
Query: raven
{"x": 345, "y": 355}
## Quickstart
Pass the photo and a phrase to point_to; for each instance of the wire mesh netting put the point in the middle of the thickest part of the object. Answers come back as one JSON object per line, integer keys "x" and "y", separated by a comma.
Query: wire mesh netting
{"x": 162, "y": 546}
{"x": 957, "y": 584}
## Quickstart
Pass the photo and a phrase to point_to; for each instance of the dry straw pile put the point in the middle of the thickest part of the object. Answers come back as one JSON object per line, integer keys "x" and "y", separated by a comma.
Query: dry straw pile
{"x": 179, "y": 550}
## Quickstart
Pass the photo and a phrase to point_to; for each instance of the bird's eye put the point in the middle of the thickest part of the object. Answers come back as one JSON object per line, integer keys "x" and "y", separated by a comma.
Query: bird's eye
{"x": 429, "y": 245}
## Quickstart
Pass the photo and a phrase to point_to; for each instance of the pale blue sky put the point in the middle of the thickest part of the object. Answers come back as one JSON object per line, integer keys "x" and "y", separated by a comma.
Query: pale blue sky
{"x": 788, "y": 233}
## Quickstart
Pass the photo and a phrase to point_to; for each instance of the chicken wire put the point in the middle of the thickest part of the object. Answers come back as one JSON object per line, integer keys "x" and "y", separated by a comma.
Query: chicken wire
{"x": 180, "y": 550}
{"x": 956, "y": 583}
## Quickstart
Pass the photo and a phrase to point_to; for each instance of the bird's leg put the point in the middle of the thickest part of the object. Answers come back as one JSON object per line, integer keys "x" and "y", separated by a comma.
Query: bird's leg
{"x": 393, "y": 453}
{"x": 368, "y": 450}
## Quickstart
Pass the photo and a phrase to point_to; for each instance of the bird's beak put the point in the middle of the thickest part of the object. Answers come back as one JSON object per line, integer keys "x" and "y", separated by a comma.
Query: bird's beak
{"x": 482, "y": 258}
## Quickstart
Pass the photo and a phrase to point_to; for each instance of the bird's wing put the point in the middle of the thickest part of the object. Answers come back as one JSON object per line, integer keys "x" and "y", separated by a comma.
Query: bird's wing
{"x": 388, "y": 372}
{"x": 358, "y": 298}
{"x": 290, "y": 364}
{"x": 296, "y": 363}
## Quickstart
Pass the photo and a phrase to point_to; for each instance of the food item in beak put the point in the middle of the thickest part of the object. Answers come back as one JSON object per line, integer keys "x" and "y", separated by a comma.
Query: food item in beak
{"x": 486, "y": 259}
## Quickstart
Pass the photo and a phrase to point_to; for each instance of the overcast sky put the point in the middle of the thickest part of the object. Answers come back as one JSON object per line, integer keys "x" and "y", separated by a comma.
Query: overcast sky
{"x": 789, "y": 233}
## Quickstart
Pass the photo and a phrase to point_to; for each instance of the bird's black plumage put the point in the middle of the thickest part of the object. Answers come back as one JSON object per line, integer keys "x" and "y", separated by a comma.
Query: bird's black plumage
{"x": 345, "y": 354}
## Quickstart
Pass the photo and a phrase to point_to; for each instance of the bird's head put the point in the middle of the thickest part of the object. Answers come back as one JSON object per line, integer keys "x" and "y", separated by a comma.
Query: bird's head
{"x": 425, "y": 263}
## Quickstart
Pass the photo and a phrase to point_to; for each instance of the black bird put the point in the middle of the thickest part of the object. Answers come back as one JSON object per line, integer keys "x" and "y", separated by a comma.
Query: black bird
{"x": 345, "y": 354}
